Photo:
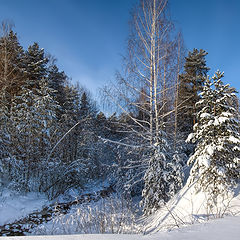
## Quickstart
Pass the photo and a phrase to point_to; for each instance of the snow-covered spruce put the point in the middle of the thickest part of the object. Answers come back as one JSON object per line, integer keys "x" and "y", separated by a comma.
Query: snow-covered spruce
{"x": 4, "y": 138}
{"x": 217, "y": 155}
{"x": 163, "y": 178}
{"x": 33, "y": 119}
{"x": 190, "y": 84}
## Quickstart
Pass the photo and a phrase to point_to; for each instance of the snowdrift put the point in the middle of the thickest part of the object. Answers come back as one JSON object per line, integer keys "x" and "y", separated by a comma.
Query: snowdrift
{"x": 189, "y": 207}
{"x": 14, "y": 206}
{"x": 220, "y": 229}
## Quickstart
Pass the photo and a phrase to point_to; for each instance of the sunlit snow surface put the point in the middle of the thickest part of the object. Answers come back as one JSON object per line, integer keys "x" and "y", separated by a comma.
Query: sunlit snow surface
{"x": 220, "y": 229}
{"x": 189, "y": 207}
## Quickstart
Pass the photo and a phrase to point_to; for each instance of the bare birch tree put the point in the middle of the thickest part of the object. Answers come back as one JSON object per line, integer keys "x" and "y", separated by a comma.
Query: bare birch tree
{"x": 144, "y": 94}
{"x": 146, "y": 91}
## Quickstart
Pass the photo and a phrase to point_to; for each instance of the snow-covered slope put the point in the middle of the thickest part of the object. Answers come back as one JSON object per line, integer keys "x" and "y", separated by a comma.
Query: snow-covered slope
{"x": 14, "y": 206}
{"x": 189, "y": 207}
{"x": 220, "y": 229}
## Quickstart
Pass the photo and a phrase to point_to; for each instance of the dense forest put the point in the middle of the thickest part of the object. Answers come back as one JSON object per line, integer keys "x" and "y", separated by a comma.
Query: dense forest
{"x": 53, "y": 136}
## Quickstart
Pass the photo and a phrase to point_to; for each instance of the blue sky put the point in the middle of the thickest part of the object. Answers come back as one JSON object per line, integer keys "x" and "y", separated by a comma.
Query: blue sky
{"x": 213, "y": 25}
{"x": 89, "y": 37}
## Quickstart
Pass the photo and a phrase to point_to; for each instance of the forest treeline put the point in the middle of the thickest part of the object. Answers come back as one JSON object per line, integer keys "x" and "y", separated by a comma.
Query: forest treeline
{"x": 39, "y": 105}
{"x": 53, "y": 136}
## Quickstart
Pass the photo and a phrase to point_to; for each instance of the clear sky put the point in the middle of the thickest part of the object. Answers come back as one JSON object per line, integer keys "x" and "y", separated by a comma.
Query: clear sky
{"x": 213, "y": 25}
{"x": 88, "y": 37}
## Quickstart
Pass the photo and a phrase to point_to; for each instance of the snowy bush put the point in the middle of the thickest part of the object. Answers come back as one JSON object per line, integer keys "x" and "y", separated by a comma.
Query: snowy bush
{"x": 110, "y": 215}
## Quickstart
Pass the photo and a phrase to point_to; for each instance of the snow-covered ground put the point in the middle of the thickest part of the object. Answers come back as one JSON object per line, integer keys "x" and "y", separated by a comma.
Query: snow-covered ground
{"x": 220, "y": 229}
{"x": 185, "y": 217}
{"x": 189, "y": 207}
{"x": 14, "y": 206}
{"x": 108, "y": 215}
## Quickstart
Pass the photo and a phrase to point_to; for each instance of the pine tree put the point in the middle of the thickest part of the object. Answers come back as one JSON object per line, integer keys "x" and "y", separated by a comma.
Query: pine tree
{"x": 216, "y": 160}
{"x": 84, "y": 106}
{"x": 11, "y": 64}
{"x": 57, "y": 80}
{"x": 33, "y": 115}
{"x": 34, "y": 65}
{"x": 48, "y": 132}
{"x": 23, "y": 135}
{"x": 191, "y": 83}
{"x": 5, "y": 139}
{"x": 46, "y": 108}
{"x": 70, "y": 106}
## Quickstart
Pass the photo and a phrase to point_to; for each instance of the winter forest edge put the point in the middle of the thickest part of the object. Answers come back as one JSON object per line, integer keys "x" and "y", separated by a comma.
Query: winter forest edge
{"x": 168, "y": 128}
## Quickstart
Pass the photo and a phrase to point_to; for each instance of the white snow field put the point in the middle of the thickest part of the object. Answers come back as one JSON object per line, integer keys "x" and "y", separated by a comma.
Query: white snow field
{"x": 14, "y": 206}
{"x": 220, "y": 229}
{"x": 185, "y": 217}
{"x": 189, "y": 207}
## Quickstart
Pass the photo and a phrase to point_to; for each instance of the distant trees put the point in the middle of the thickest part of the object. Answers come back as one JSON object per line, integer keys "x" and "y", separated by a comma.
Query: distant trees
{"x": 5, "y": 139}
{"x": 57, "y": 81}
{"x": 49, "y": 134}
{"x": 33, "y": 121}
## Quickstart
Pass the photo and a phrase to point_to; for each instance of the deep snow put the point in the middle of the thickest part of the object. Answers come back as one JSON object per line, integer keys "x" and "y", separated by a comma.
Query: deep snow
{"x": 185, "y": 215}
{"x": 219, "y": 229}
{"x": 14, "y": 206}
{"x": 189, "y": 207}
